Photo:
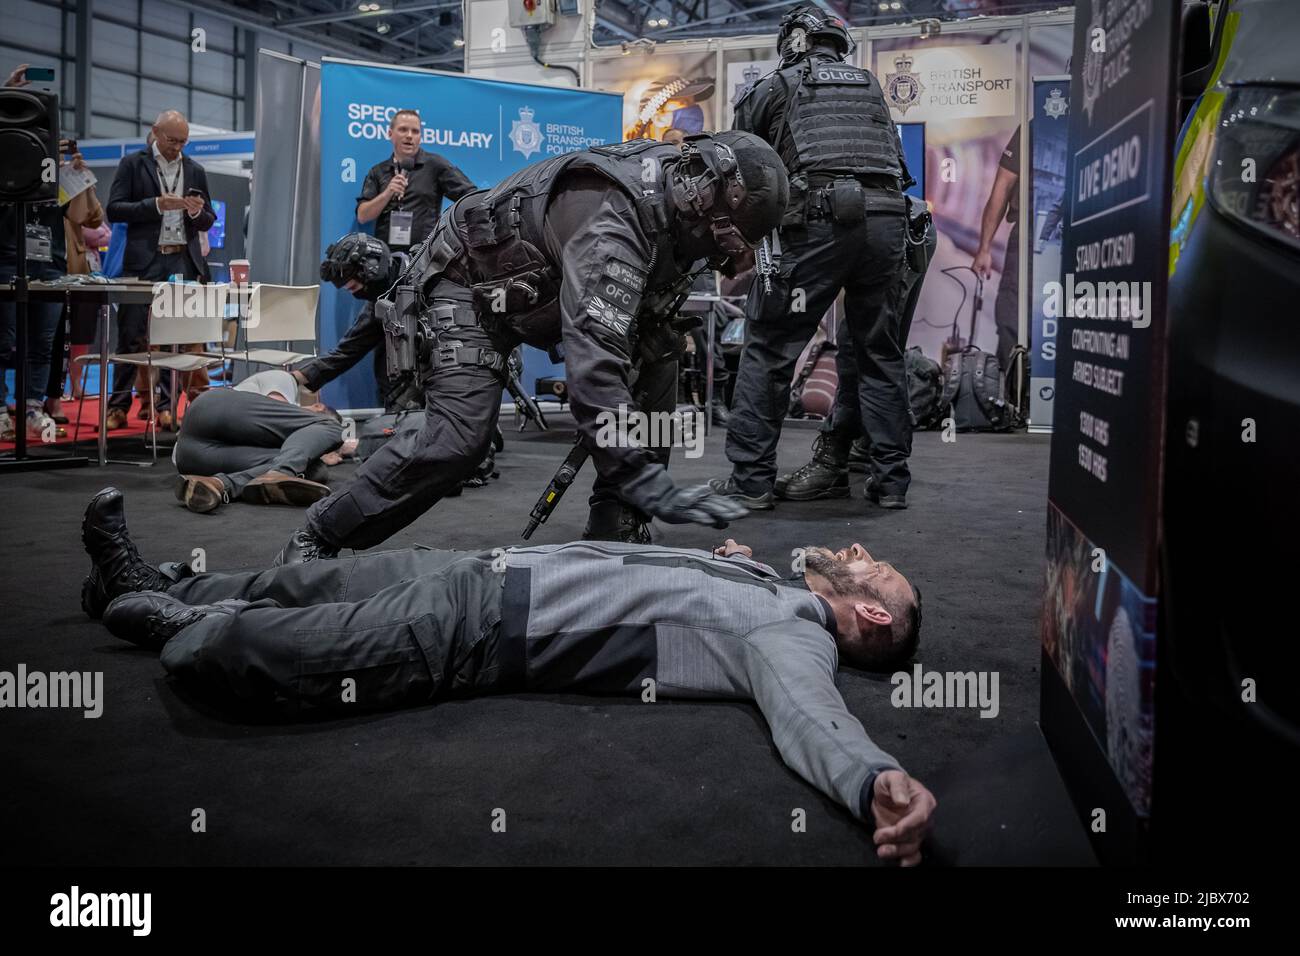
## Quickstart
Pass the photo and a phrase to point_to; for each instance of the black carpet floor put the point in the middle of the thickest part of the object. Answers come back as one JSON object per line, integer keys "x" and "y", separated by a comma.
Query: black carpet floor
{"x": 581, "y": 780}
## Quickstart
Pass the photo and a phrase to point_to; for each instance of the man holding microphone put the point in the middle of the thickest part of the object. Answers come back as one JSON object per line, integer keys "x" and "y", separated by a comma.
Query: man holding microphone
{"x": 403, "y": 197}
{"x": 403, "y": 194}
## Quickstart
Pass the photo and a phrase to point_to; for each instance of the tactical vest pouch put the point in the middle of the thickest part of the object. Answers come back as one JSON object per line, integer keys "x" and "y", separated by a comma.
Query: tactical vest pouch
{"x": 848, "y": 201}
{"x": 795, "y": 210}
{"x": 511, "y": 295}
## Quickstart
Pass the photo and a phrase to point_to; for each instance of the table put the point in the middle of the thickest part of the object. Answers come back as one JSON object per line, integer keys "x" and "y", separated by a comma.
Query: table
{"x": 117, "y": 292}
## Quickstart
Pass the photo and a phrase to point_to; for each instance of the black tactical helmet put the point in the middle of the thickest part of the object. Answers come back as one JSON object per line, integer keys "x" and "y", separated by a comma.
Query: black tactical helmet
{"x": 735, "y": 184}
{"x": 805, "y": 25}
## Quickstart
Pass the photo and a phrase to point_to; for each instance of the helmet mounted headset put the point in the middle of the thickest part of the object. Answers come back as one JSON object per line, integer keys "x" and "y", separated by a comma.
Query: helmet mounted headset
{"x": 803, "y": 26}
{"x": 706, "y": 184}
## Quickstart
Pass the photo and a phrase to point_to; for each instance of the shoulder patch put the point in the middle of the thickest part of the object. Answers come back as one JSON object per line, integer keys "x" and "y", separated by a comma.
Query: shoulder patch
{"x": 621, "y": 285}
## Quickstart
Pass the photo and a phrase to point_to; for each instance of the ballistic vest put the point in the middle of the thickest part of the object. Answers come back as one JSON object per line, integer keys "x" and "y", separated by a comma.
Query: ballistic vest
{"x": 492, "y": 240}
{"x": 838, "y": 121}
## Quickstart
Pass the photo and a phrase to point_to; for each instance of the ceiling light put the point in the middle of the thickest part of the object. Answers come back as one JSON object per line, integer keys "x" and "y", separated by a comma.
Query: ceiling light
{"x": 896, "y": 5}
{"x": 458, "y": 42}
{"x": 382, "y": 28}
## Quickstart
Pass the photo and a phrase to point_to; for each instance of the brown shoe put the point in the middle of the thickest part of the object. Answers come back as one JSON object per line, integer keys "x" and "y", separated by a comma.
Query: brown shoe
{"x": 202, "y": 494}
{"x": 277, "y": 488}
{"x": 116, "y": 419}
{"x": 165, "y": 421}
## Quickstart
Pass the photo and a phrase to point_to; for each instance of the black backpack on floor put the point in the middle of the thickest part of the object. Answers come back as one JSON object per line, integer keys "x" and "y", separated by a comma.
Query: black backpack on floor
{"x": 924, "y": 388}
{"x": 972, "y": 389}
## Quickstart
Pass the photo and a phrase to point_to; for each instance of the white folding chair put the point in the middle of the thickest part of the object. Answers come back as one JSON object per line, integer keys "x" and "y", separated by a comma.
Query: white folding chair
{"x": 284, "y": 314}
{"x": 181, "y": 314}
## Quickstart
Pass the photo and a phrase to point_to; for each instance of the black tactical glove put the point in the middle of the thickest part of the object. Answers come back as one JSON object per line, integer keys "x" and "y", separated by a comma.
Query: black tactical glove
{"x": 653, "y": 491}
{"x": 362, "y": 258}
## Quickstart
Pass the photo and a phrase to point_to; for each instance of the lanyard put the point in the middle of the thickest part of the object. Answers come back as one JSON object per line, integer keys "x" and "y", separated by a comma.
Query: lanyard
{"x": 169, "y": 187}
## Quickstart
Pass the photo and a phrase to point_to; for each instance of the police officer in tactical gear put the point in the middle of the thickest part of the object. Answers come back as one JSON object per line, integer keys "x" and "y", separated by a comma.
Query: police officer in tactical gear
{"x": 841, "y": 443}
{"x": 844, "y": 228}
{"x": 592, "y": 251}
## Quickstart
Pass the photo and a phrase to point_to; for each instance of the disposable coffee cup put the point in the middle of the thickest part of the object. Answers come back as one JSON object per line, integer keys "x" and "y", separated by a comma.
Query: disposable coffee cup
{"x": 239, "y": 271}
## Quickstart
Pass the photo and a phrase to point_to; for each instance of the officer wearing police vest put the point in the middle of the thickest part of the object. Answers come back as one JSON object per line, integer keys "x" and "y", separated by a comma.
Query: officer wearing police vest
{"x": 593, "y": 251}
{"x": 844, "y": 229}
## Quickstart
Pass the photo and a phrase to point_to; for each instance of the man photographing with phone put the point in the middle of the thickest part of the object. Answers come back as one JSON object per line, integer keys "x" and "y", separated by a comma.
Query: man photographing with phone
{"x": 162, "y": 195}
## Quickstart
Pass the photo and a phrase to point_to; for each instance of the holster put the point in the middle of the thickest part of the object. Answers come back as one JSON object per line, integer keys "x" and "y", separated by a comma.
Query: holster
{"x": 919, "y": 223}
{"x": 400, "y": 319}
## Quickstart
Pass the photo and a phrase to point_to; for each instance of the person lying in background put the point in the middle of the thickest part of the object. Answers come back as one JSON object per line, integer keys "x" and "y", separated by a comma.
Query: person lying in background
{"x": 255, "y": 443}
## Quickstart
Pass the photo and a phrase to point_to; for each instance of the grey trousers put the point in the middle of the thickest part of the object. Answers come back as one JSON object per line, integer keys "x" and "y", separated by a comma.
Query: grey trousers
{"x": 376, "y": 631}
{"x": 238, "y": 436}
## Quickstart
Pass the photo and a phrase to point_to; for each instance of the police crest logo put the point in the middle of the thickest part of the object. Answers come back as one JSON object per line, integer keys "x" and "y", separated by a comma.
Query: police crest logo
{"x": 1056, "y": 105}
{"x": 525, "y": 134}
{"x": 903, "y": 88}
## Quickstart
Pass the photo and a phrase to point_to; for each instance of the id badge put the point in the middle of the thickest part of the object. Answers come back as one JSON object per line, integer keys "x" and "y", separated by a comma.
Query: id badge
{"x": 173, "y": 234}
{"x": 400, "y": 225}
{"x": 39, "y": 243}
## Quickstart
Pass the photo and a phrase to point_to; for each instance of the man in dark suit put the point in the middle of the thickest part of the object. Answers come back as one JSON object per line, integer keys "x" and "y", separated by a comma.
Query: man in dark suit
{"x": 163, "y": 198}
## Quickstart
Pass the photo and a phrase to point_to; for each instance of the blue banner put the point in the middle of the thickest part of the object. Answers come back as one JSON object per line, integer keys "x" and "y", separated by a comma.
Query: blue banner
{"x": 487, "y": 128}
{"x": 1048, "y": 136}
{"x": 913, "y": 137}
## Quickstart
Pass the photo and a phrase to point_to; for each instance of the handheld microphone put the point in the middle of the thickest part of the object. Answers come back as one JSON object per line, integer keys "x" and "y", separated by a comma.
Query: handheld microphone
{"x": 404, "y": 166}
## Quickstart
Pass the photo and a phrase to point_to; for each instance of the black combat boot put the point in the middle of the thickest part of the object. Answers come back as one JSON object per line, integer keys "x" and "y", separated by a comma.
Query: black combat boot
{"x": 304, "y": 546}
{"x": 858, "y": 456}
{"x": 115, "y": 565}
{"x": 615, "y": 521}
{"x": 825, "y": 476}
{"x": 151, "y": 619}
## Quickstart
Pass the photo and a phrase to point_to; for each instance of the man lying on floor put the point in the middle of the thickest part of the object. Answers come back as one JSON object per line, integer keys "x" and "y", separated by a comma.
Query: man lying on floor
{"x": 255, "y": 443}
{"x": 404, "y": 628}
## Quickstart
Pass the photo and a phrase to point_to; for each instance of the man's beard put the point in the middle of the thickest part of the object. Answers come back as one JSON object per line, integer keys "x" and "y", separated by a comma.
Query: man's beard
{"x": 821, "y": 562}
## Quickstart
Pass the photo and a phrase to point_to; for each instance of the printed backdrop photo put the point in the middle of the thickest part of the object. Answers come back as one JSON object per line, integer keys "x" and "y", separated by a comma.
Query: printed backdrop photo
{"x": 663, "y": 91}
{"x": 967, "y": 93}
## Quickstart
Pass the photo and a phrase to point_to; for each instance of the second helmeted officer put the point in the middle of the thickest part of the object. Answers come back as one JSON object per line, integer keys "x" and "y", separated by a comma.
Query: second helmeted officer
{"x": 844, "y": 229}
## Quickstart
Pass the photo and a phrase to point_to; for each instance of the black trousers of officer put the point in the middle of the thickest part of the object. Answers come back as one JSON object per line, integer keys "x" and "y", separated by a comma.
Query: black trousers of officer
{"x": 866, "y": 259}
{"x": 418, "y": 467}
{"x": 844, "y": 424}
{"x": 238, "y": 436}
{"x": 406, "y": 627}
